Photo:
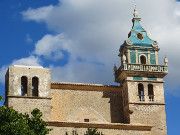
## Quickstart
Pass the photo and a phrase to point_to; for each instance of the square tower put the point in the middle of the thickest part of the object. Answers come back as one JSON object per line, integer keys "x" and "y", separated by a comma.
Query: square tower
{"x": 27, "y": 88}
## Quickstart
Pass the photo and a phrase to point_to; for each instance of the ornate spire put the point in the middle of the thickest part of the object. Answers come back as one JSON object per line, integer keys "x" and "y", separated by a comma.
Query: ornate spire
{"x": 138, "y": 35}
{"x": 136, "y": 14}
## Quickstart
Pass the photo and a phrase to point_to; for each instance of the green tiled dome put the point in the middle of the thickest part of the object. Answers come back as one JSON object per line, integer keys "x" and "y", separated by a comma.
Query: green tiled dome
{"x": 138, "y": 36}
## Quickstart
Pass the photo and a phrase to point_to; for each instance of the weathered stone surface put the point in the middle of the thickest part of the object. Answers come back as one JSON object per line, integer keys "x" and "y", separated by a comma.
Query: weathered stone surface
{"x": 81, "y": 106}
{"x": 78, "y": 105}
{"x": 15, "y": 73}
{"x": 26, "y": 105}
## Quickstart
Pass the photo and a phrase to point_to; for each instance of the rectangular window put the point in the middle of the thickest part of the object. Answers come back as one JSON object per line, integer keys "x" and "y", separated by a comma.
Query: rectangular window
{"x": 86, "y": 120}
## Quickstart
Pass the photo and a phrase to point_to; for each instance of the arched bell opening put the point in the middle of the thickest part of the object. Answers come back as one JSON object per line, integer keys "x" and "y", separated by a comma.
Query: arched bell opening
{"x": 141, "y": 92}
{"x": 24, "y": 85}
{"x": 150, "y": 92}
{"x": 35, "y": 86}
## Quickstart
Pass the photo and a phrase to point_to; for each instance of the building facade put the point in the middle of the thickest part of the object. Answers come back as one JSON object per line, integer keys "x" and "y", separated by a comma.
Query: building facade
{"x": 135, "y": 107}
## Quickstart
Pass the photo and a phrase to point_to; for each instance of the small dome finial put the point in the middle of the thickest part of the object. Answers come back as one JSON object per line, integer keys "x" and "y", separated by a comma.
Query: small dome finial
{"x": 136, "y": 14}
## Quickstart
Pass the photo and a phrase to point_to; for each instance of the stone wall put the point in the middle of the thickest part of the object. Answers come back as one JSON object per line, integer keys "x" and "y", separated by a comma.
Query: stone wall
{"x": 158, "y": 91}
{"x": 97, "y": 106}
{"x": 27, "y": 104}
{"x": 147, "y": 111}
{"x": 149, "y": 114}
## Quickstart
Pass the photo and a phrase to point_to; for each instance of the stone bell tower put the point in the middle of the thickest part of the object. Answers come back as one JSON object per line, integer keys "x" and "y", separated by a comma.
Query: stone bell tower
{"x": 141, "y": 77}
{"x": 27, "y": 88}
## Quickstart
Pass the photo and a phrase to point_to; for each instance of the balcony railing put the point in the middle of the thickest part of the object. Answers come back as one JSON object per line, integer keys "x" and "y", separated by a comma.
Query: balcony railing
{"x": 141, "y": 97}
{"x": 151, "y": 97}
{"x": 140, "y": 67}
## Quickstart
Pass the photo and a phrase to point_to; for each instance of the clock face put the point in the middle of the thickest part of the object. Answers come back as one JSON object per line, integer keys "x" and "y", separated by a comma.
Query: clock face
{"x": 140, "y": 36}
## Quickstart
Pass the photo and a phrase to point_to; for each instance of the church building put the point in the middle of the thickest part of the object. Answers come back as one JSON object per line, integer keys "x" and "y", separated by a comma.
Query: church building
{"x": 134, "y": 107}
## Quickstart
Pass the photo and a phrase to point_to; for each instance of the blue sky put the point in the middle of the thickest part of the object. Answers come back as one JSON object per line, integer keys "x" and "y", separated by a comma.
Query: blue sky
{"x": 85, "y": 36}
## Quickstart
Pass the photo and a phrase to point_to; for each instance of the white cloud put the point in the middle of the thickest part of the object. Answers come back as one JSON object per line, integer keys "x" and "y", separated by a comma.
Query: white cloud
{"x": 93, "y": 30}
{"x": 2, "y": 74}
{"x": 43, "y": 13}
{"x": 28, "y": 61}
{"x": 28, "y": 39}
{"x": 81, "y": 72}
{"x": 177, "y": 9}
{"x": 52, "y": 47}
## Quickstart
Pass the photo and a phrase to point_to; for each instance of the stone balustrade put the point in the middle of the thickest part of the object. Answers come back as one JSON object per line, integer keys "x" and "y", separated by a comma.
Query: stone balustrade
{"x": 140, "y": 67}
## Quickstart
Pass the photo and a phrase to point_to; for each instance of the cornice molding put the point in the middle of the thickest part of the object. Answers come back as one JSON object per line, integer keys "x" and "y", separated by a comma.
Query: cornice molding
{"x": 85, "y": 87}
{"x": 101, "y": 126}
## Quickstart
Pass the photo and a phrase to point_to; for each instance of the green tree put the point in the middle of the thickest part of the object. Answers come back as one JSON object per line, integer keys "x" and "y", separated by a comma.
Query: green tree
{"x": 92, "y": 131}
{"x": 73, "y": 133}
{"x": 36, "y": 124}
{"x": 1, "y": 98}
{"x": 14, "y": 123}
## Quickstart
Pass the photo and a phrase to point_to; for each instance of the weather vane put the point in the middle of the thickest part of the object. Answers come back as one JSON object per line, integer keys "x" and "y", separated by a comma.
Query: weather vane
{"x": 134, "y": 2}
{"x": 136, "y": 14}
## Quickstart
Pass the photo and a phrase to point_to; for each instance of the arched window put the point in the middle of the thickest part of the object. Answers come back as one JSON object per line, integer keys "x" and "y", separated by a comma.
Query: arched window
{"x": 150, "y": 92}
{"x": 141, "y": 92}
{"x": 35, "y": 86}
{"x": 24, "y": 86}
{"x": 143, "y": 59}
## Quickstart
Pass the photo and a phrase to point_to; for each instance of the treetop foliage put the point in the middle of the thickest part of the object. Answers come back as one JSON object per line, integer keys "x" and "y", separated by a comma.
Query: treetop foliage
{"x": 90, "y": 131}
{"x": 15, "y": 123}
